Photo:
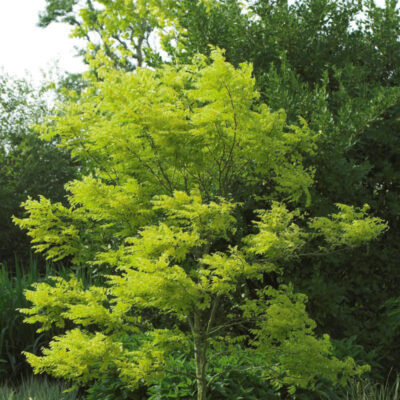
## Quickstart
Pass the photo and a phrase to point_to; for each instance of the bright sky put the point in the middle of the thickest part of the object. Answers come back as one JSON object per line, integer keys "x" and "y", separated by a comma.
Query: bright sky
{"x": 24, "y": 47}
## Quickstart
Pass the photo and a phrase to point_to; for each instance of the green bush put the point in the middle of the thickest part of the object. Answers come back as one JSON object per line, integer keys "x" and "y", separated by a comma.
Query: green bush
{"x": 110, "y": 387}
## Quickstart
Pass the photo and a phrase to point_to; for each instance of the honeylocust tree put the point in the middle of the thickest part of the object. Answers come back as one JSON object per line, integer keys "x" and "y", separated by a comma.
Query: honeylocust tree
{"x": 321, "y": 60}
{"x": 191, "y": 209}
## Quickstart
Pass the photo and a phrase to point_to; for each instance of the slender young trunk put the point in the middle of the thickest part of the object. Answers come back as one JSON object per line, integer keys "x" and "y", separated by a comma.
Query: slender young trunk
{"x": 201, "y": 324}
{"x": 200, "y": 353}
{"x": 201, "y": 370}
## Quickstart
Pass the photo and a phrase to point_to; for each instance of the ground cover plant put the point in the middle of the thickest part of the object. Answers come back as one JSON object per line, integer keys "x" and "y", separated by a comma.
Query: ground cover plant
{"x": 37, "y": 389}
{"x": 191, "y": 212}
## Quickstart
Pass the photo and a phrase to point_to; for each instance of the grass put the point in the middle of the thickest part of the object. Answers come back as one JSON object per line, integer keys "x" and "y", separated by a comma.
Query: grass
{"x": 37, "y": 389}
{"x": 365, "y": 390}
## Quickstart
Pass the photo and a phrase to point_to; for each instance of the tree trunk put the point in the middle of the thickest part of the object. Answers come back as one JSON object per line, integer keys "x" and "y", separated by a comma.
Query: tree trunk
{"x": 201, "y": 368}
{"x": 200, "y": 353}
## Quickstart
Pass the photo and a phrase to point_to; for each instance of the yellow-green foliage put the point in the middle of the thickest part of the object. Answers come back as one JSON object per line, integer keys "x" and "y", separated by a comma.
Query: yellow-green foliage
{"x": 285, "y": 335}
{"x": 278, "y": 235}
{"x": 77, "y": 356}
{"x": 348, "y": 227}
{"x": 179, "y": 155}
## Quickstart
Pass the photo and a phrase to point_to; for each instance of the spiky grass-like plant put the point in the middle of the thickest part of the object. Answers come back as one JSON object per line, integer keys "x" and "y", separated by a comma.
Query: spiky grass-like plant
{"x": 37, "y": 389}
{"x": 364, "y": 390}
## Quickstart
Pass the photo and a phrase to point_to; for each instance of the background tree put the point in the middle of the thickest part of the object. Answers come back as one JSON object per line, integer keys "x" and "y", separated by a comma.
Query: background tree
{"x": 172, "y": 209}
{"x": 123, "y": 31}
{"x": 28, "y": 166}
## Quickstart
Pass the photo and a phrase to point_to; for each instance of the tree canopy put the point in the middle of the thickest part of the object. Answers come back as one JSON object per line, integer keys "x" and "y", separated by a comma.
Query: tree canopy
{"x": 192, "y": 208}
{"x": 333, "y": 63}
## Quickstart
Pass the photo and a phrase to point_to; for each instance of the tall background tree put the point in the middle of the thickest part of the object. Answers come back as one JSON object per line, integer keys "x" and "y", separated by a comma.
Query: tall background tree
{"x": 28, "y": 165}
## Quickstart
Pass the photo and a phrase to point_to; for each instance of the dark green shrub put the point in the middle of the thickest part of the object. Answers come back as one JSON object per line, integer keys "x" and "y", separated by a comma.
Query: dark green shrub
{"x": 15, "y": 336}
{"x": 110, "y": 387}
